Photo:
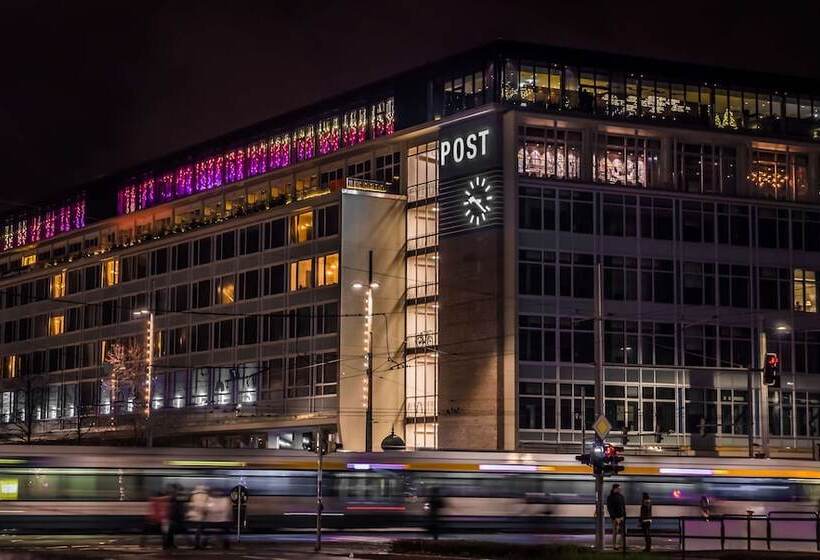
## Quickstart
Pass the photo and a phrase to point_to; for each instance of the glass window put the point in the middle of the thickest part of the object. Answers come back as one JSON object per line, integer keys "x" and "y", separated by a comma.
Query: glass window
{"x": 301, "y": 227}
{"x": 203, "y": 253}
{"x": 327, "y": 221}
{"x": 301, "y": 275}
{"x": 275, "y": 234}
{"x": 226, "y": 290}
{"x": 273, "y": 281}
{"x": 249, "y": 240}
{"x": 58, "y": 285}
{"x": 549, "y": 152}
{"x": 626, "y": 160}
{"x": 226, "y": 245}
{"x": 705, "y": 168}
{"x": 805, "y": 290}
{"x": 422, "y": 226}
{"x": 422, "y": 172}
{"x": 56, "y": 325}
{"x": 248, "y": 285}
{"x": 327, "y": 270}
{"x": 180, "y": 256}
{"x": 110, "y": 272}
{"x": 422, "y": 275}
{"x": 224, "y": 334}
{"x": 779, "y": 175}
{"x": 159, "y": 261}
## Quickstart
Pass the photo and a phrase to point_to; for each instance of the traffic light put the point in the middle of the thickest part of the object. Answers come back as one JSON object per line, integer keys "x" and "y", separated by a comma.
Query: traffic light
{"x": 612, "y": 460}
{"x": 625, "y": 436}
{"x": 596, "y": 456}
{"x": 771, "y": 370}
{"x": 309, "y": 441}
{"x": 702, "y": 426}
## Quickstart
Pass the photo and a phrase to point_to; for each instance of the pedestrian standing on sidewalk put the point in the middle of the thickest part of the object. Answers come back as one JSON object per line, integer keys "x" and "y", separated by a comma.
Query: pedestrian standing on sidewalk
{"x": 646, "y": 521}
{"x": 616, "y": 507}
{"x": 704, "y": 506}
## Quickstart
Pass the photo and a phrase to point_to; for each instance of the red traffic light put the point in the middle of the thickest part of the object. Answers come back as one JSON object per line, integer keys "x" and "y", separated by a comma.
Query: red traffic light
{"x": 771, "y": 370}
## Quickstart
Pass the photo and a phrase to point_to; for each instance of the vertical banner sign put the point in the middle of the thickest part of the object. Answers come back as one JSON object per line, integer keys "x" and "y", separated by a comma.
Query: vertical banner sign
{"x": 470, "y": 176}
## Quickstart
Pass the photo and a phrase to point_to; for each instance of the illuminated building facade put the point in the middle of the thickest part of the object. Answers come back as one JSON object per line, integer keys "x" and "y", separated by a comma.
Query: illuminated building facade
{"x": 488, "y": 187}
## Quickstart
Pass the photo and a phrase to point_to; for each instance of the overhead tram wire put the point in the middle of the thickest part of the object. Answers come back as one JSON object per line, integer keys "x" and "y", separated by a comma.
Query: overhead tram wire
{"x": 161, "y": 312}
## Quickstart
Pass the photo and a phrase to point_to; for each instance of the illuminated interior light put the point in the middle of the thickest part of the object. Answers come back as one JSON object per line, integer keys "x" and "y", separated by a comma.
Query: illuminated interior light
{"x": 508, "y": 468}
{"x": 686, "y": 472}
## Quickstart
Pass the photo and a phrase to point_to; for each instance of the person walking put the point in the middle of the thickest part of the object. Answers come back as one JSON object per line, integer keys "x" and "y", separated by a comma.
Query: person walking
{"x": 705, "y": 506}
{"x": 616, "y": 507}
{"x": 155, "y": 517}
{"x": 220, "y": 515}
{"x": 646, "y": 521}
{"x": 197, "y": 514}
{"x": 434, "y": 512}
{"x": 176, "y": 515}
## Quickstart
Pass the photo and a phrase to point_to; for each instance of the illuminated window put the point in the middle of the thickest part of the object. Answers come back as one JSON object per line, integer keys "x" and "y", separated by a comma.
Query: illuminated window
{"x": 58, "y": 285}
{"x": 779, "y": 175}
{"x": 549, "y": 153}
{"x": 235, "y": 202}
{"x": 10, "y": 364}
{"x": 226, "y": 290}
{"x": 257, "y": 194}
{"x": 110, "y": 272}
{"x": 29, "y": 260}
{"x": 56, "y": 325}
{"x": 301, "y": 228}
{"x": 327, "y": 270}
{"x": 626, "y": 160}
{"x": 301, "y": 275}
{"x": 805, "y": 290}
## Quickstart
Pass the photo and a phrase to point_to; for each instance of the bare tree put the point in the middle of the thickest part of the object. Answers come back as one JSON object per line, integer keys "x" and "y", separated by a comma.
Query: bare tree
{"x": 126, "y": 366}
{"x": 33, "y": 394}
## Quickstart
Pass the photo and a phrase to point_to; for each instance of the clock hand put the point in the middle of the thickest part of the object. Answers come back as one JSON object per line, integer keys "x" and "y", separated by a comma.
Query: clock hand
{"x": 477, "y": 202}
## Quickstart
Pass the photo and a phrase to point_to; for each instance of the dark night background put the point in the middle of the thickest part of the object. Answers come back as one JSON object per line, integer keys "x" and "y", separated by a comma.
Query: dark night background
{"x": 89, "y": 88}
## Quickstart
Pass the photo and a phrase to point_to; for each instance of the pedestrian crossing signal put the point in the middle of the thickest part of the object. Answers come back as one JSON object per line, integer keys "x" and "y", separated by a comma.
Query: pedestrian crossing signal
{"x": 771, "y": 370}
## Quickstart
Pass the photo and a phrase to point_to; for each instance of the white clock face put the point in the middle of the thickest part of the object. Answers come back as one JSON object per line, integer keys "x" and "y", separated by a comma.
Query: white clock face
{"x": 478, "y": 200}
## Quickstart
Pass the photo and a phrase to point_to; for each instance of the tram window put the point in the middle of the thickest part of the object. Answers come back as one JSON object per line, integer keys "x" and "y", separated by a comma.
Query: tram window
{"x": 367, "y": 486}
{"x": 104, "y": 487}
{"x": 280, "y": 483}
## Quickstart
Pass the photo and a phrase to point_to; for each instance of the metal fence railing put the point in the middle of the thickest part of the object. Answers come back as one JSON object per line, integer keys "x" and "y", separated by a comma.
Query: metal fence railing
{"x": 781, "y": 528}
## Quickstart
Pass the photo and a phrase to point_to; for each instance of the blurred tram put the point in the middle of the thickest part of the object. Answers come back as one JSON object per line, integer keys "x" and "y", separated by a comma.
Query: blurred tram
{"x": 95, "y": 489}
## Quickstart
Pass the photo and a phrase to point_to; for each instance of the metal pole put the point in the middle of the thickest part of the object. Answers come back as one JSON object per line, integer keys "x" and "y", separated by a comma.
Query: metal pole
{"x": 750, "y": 417}
{"x": 238, "y": 513}
{"x": 149, "y": 437}
{"x": 368, "y": 421}
{"x": 764, "y": 389}
{"x": 583, "y": 419}
{"x": 599, "y": 399}
{"x": 319, "y": 505}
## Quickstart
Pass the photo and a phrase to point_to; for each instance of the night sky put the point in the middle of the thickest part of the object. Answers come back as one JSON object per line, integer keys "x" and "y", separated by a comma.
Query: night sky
{"x": 89, "y": 88}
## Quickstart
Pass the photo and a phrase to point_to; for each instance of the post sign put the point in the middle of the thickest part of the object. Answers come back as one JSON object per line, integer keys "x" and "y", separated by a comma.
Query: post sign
{"x": 469, "y": 163}
{"x": 469, "y": 147}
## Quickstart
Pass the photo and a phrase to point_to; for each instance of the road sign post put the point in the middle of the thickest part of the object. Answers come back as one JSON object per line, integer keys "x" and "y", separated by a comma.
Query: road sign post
{"x": 239, "y": 496}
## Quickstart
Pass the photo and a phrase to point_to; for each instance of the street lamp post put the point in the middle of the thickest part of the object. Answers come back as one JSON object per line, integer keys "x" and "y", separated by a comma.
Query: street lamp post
{"x": 368, "y": 351}
{"x": 149, "y": 373}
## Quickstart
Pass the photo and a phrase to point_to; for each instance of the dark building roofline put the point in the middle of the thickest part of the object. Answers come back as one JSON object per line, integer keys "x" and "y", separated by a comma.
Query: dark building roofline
{"x": 415, "y": 80}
